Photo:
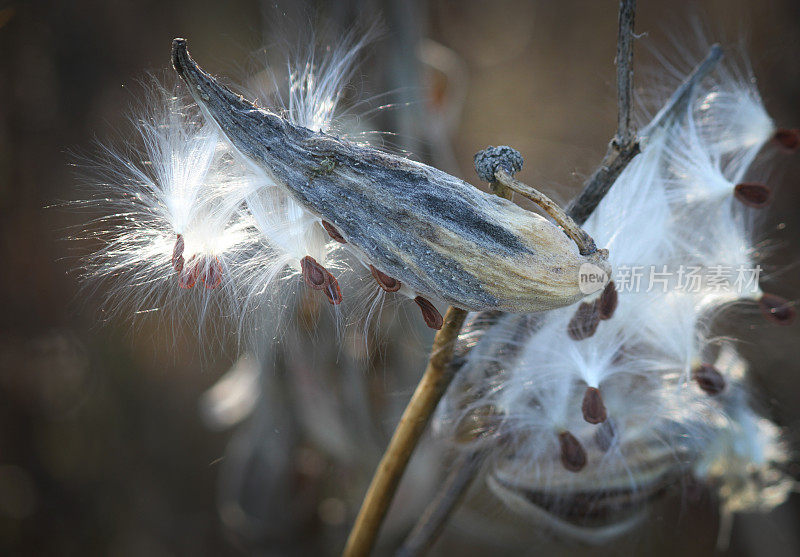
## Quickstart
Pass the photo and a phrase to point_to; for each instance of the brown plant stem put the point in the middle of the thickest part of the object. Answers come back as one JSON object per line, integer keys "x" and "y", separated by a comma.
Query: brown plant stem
{"x": 625, "y": 145}
{"x": 429, "y": 391}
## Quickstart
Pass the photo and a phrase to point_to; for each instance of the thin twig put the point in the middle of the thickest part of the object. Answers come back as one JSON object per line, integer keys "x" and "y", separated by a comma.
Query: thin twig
{"x": 625, "y": 145}
{"x": 462, "y": 472}
{"x": 412, "y": 424}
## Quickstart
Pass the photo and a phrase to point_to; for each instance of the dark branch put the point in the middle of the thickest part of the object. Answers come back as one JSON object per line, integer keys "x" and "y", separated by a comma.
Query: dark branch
{"x": 625, "y": 144}
{"x": 464, "y": 469}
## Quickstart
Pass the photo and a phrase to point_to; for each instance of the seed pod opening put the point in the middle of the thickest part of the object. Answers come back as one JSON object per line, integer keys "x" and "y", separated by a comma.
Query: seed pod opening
{"x": 440, "y": 236}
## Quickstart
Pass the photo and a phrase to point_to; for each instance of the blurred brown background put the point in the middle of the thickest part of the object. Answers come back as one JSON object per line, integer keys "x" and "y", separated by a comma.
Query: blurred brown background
{"x": 102, "y": 450}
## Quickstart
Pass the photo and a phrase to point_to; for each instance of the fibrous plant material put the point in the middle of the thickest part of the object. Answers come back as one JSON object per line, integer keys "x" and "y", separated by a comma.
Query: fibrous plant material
{"x": 599, "y": 409}
{"x": 440, "y": 237}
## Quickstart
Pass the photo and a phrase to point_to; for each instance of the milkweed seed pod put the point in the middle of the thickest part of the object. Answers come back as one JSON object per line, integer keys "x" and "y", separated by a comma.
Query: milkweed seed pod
{"x": 432, "y": 233}
{"x": 588, "y": 413}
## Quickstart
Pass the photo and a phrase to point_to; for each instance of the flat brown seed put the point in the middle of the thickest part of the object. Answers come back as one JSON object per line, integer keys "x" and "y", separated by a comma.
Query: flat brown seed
{"x": 573, "y": 455}
{"x": 584, "y": 323}
{"x": 788, "y": 139}
{"x": 315, "y": 275}
{"x": 594, "y": 410}
{"x": 430, "y": 314}
{"x": 332, "y": 232}
{"x": 753, "y": 194}
{"x": 333, "y": 292}
{"x": 386, "y": 282}
{"x": 777, "y": 309}
{"x": 709, "y": 379}
{"x": 608, "y": 301}
{"x": 177, "y": 254}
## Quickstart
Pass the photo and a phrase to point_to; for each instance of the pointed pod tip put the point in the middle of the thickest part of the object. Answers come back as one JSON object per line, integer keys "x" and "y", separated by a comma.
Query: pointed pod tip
{"x": 180, "y": 54}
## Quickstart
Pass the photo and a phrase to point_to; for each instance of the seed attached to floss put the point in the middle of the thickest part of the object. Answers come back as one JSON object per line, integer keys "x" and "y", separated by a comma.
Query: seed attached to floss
{"x": 439, "y": 234}
{"x": 777, "y": 309}
{"x": 753, "y": 194}
{"x": 177, "y": 254}
{"x": 314, "y": 274}
{"x": 585, "y": 321}
{"x": 709, "y": 379}
{"x": 594, "y": 410}
{"x": 332, "y": 232}
{"x": 333, "y": 292}
{"x": 788, "y": 139}
{"x": 608, "y": 301}
{"x": 573, "y": 455}
{"x": 212, "y": 274}
{"x": 189, "y": 273}
{"x": 430, "y": 314}
{"x": 386, "y": 282}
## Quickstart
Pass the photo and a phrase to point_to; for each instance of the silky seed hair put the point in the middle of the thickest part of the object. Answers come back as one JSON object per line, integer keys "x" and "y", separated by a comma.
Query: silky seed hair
{"x": 589, "y": 412}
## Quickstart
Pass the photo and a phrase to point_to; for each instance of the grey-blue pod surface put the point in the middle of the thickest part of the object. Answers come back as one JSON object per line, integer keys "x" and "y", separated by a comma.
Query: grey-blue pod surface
{"x": 439, "y": 236}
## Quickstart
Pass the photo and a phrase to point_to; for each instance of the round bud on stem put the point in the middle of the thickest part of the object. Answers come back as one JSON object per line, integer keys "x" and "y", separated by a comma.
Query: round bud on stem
{"x": 491, "y": 159}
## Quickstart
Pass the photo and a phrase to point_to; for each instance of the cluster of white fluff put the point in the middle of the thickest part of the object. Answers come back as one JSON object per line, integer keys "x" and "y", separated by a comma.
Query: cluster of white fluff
{"x": 187, "y": 226}
{"x": 592, "y": 410}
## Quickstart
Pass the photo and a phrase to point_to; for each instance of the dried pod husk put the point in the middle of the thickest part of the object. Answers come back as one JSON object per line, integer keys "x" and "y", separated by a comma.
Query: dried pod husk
{"x": 611, "y": 496}
{"x": 438, "y": 235}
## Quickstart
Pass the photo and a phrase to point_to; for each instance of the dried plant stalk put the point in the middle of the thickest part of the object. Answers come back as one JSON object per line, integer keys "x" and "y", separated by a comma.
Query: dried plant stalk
{"x": 409, "y": 430}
